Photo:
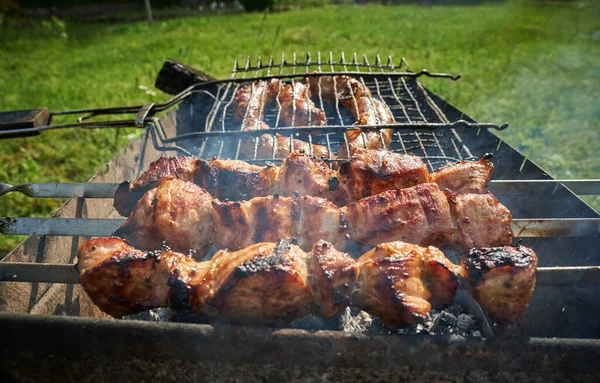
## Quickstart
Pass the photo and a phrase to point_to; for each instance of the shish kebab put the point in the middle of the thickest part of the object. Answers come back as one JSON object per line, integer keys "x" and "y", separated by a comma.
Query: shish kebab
{"x": 188, "y": 218}
{"x": 273, "y": 283}
{"x": 367, "y": 173}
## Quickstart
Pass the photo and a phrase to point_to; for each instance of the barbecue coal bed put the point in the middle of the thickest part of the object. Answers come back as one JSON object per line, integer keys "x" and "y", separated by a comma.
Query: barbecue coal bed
{"x": 51, "y": 331}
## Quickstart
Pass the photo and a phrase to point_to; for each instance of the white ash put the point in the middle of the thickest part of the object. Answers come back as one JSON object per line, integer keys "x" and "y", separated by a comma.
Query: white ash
{"x": 451, "y": 321}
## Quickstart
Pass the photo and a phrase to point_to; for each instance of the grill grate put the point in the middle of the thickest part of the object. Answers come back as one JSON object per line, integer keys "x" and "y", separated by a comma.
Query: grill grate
{"x": 421, "y": 128}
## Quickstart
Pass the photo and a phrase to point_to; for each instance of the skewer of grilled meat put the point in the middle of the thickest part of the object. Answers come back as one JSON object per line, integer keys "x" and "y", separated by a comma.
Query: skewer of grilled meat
{"x": 368, "y": 172}
{"x": 422, "y": 214}
{"x": 355, "y": 96}
{"x": 273, "y": 283}
{"x": 270, "y": 283}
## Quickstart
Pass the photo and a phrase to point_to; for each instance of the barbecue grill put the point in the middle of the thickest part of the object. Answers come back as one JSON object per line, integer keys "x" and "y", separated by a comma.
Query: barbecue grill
{"x": 557, "y": 337}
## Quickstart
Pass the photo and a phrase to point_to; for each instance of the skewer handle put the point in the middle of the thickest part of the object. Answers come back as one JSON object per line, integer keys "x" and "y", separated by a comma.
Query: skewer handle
{"x": 23, "y": 123}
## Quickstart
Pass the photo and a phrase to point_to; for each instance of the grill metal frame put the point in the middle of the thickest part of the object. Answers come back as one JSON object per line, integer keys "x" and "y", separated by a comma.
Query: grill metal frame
{"x": 167, "y": 135}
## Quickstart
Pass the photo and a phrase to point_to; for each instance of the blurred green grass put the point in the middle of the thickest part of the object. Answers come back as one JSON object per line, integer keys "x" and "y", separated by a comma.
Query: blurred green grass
{"x": 535, "y": 66}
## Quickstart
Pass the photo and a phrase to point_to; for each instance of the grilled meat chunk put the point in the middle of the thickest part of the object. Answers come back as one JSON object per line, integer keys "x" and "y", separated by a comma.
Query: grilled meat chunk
{"x": 368, "y": 172}
{"x": 303, "y": 218}
{"x": 371, "y": 172}
{"x": 267, "y": 146}
{"x": 342, "y": 88}
{"x": 176, "y": 212}
{"x": 128, "y": 193}
{"x": 249, "y": 103}
{"x": 355, "y": 96}
{"x": 501, "y": 279}
{"x": 464, "y": 176}
{"x": 481, "y": 220}
{"x": 296, "y": 108}
{"x": 420, "y": 214}
{"x": 122, "y": 280}
{"x": 264, "y": 284}
{"x": 235, "y": 180}
{"x": 414, "y": 278}
{"x": 269, "y": 283}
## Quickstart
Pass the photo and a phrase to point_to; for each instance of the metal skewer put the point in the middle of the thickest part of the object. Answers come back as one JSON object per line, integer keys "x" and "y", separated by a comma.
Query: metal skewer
{"x": 67, "y": 273}
{"x": 107, "y": 190}
{"x": 522, "y": 228}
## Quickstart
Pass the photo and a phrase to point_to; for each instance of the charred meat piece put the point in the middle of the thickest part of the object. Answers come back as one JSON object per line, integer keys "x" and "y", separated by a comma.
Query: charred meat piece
{"x": 269, "y": 283}
{"x": 265, "y": 284}
{"x": 235, "y": 180}
{"x": 295, "y": 107}
{"x": 400, "y": 282}
{"x": 501, "y": 279}
{"x": 368, "y": 111}
{"x": 122, "y": 280}
{"x": 128, "y": 193}
{"x": 464, "y": 176}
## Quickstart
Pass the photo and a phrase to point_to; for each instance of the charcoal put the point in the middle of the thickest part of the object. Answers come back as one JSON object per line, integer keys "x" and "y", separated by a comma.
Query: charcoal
{"x": 464, "y": 322}
{"x": 355, "y": 321}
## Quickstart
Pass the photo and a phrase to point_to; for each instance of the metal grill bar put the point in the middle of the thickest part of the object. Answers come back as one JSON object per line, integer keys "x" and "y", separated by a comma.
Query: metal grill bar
{"x": 543, "y": 227}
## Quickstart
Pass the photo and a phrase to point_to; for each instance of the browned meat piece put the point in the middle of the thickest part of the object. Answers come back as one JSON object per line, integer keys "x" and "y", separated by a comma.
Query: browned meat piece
{"x": 369, "y": 111}
{"x": 340, "y": 87}
{"x": 355, "y": 96}
{"x": 306, "y": 175}
{"x": 333, "y": 278}
{"x": 279, "y": 147}
{"x": 265, "y": 284}
{"x": 129, "y": 193}
{"x": 249, "y": 103}
{"x": 400, "y": 282}
{"x": 122, "y": 280}
{"x": 501, "y": 279}
{"x": 482, "y": 221}
{"x": 302, "y": 218}
{"x": 359, "y": 140}
{"x": 269, "y": 283}
{"x": 235, "y": 180}
{"x": 464, "y": 176}
{"x": 178, "y": 213}
{"x": 296, "y": 107}
{"x": 420, "y": 214}
{"x": 371, "y": 172}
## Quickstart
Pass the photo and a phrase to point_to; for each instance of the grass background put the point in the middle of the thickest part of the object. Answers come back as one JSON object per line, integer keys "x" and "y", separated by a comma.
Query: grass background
{"x": 533, "y": 64}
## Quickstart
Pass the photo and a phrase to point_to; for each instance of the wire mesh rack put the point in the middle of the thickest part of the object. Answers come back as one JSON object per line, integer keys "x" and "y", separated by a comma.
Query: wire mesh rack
{"x": 420, "y": 126}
